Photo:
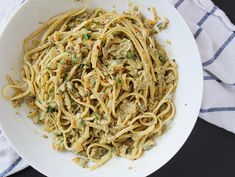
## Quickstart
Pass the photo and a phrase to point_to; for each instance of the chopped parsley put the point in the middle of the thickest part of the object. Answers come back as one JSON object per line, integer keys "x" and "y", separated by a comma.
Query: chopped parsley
{"x": 50, "y": 109}
{"x": 75, "y": 59}
{"x": 129, "y": 55}
{"x": 65, "y": 76}
{"x": 115, "y": 33}
{"x": 52, "y": 90}
{"x": 47, "y": 67}
{"x": 63, "y": 62}
{"x": 45, "y": 136}
{"x": 162, "y": 58}
{"x": 97, "y": 117}
{"x": 161, "y": 26}
{"x": 88, "y": 64}
{"x": 86, "y": 36}
{"x": 97, "y": 22}
{"x": 119, "y": 81}
{"x": 81, "y": 65}
{"x": 81, "y": 122}
{"x": 136, "y": 8}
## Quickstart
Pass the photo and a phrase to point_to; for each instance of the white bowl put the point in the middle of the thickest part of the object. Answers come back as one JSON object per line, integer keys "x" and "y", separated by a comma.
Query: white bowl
{"x": 26, "y": 137}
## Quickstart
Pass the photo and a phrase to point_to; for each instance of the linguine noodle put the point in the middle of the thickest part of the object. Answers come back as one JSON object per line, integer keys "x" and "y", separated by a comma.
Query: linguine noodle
{"x": 99, "y": 82}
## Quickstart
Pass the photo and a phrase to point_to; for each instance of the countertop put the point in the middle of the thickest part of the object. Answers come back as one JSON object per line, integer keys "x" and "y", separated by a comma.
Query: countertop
{"x": 208, "y": 152}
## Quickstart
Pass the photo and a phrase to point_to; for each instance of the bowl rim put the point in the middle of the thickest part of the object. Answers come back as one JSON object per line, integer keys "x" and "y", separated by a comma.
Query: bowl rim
{"x": 24, "y": 3}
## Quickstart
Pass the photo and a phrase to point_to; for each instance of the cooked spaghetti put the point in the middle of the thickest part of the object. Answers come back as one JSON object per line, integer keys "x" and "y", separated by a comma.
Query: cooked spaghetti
{"x": 99, "y": 82}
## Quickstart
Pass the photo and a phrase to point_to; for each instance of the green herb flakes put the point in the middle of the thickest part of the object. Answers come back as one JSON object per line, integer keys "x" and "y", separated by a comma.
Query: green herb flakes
{"x": 75, "y": 59}
{"x": 45, "y": 136}
{"x": 62, "y": 62}
{"x": 119, "y": 81}
{"x": 160, "y": 26}
{"x": 97, "y": 117}
{"x": 52, "y": 91}
{"x": 81, "y": 122}
{"x": 50, "y": 109}
{"x": 65, "y": 76}
{"x": 136, "y": 8}
{"x": 129, "y": 55}
{"x": 81, "y": 65}
{"x": 86, "y": 36}
{"x": 88, "y": 64}
{"x": 115, "y": 33}
{"x": 97, "y": 22}
{"x": 162, "y": 58}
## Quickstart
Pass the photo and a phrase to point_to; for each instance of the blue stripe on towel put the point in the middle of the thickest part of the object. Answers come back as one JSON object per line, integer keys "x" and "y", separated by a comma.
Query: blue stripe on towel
{"x": 214, "y": 77}
{"x": 211, "y": 78}
{"x": 198, "y": 32}
{"x": 22, "y": 1}
{"x": 221, "y": 49}
{"x": 5, "y": 172}
{"x": 203, "y": 19}
{"x": 178, "y": 3}
{"x": 217, "y": 109}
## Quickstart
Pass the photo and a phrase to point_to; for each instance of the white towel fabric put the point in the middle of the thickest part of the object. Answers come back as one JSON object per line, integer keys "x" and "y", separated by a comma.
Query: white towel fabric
{"x": 214, "y": 34}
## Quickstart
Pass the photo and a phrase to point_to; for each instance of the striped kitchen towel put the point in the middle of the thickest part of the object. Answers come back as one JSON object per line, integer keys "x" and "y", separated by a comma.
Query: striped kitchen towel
{"x": 214, "y": 34}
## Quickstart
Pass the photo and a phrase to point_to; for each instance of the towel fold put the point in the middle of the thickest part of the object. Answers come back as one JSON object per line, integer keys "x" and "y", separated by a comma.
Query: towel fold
{"x": 214, "y": 34}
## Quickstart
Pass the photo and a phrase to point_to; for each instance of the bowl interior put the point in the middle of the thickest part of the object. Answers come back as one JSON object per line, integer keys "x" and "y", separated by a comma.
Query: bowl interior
{"x": 27, "y": 138}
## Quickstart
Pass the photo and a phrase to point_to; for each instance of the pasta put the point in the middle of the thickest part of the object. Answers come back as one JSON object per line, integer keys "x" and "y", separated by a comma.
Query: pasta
{"x": 99, "y": 82}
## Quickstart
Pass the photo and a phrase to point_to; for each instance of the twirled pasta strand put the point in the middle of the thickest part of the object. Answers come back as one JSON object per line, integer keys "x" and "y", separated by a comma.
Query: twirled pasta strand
{"x": 98, "y": 81}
